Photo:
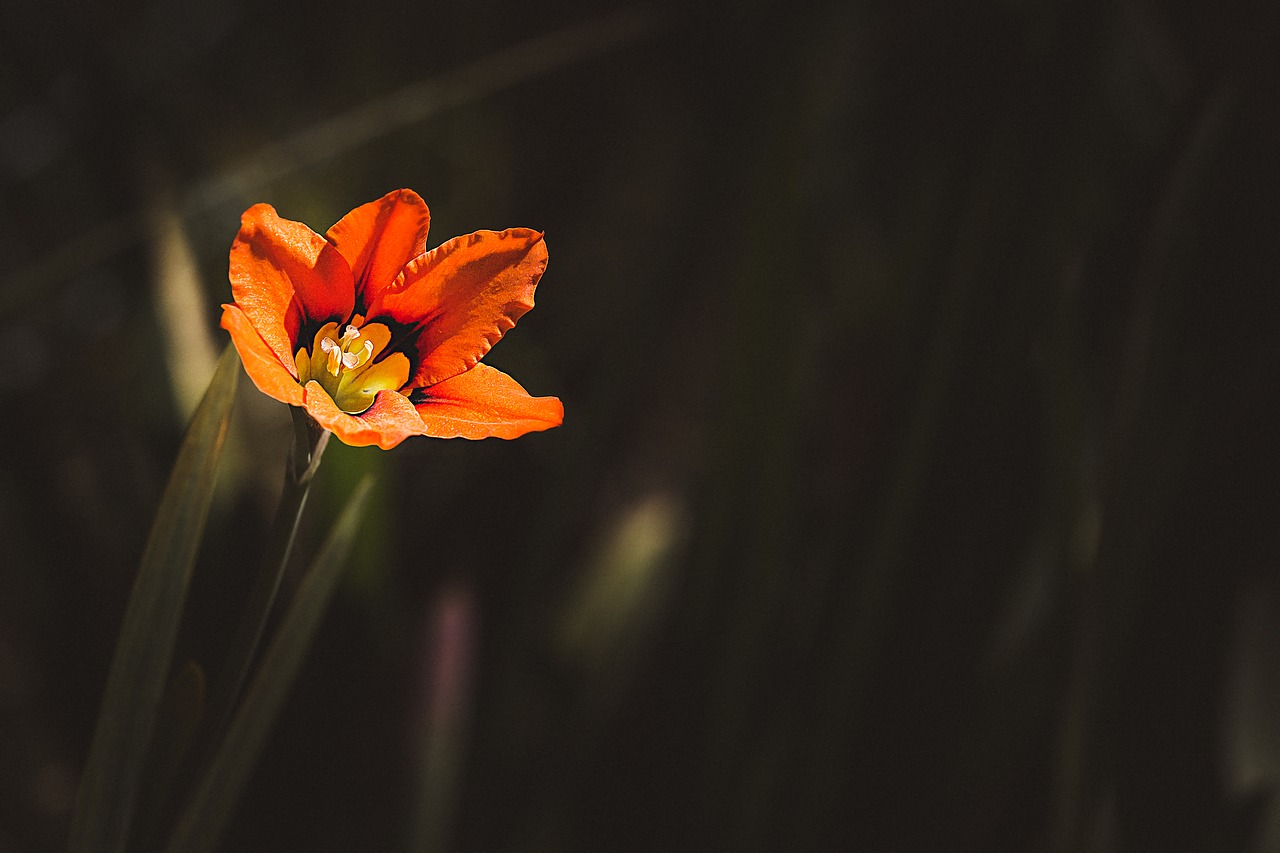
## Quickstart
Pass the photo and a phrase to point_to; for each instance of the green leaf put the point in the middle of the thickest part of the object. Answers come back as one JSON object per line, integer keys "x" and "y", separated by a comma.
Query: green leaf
{"x": 214, "y": 801}
{"x": 107, "y": 797}
{"x": 181, "y": 711}
{"x": 180, "y": 715}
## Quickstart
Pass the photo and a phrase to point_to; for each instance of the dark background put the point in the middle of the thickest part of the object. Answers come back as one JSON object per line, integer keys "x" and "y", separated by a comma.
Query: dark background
{"x": 916, "y": 486}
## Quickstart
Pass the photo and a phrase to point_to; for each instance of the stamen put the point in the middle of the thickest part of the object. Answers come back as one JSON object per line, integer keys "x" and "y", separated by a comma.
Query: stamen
{"x": 335, "y": 355}
{"x": 350, "y": 360}
{"x": 350, "y": 334}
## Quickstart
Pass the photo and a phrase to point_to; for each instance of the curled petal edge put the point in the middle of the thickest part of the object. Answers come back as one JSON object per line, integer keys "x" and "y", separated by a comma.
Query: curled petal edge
{"x": 390, "y": 420}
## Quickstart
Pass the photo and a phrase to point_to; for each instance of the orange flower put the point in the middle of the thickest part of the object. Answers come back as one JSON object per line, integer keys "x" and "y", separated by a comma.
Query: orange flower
{"x": 378, "y": 339}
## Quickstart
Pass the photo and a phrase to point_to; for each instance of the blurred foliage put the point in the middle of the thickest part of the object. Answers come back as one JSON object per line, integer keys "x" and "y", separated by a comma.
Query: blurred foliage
{"x": 916, "y": 489}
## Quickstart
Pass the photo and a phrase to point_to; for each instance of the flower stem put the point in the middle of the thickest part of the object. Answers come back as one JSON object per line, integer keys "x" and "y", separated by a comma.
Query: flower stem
{"x": 308, "y": 445}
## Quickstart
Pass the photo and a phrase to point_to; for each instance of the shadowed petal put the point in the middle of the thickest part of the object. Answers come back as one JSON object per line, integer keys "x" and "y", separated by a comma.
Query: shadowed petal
{"x": 263, "y": 366}
{"x": 390, "y": 420}
{"x": 485, "y": 403}
{"x": 283, "y": 274}
{"x": 379, "y": 238}
{"x": 461, "y": 297}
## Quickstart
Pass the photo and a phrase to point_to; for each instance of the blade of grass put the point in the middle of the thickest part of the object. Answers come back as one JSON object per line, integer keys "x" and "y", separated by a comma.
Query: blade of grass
{"x": 106, "y": 799}
{"x": 214, "y": 800}
{"x": 180, "y": 715}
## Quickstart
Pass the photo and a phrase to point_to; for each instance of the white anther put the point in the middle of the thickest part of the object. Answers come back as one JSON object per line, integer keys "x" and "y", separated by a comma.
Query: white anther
{"x": 350, "y": 334}
{"x": 350, "y": 360}
{"x": 327, "y": 344}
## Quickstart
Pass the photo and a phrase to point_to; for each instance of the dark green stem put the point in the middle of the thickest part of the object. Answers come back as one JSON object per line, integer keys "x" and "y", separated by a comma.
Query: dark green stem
{"x": 308, "y": 445}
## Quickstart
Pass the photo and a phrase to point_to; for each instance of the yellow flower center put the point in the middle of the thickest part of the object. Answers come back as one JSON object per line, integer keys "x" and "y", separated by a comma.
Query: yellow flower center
{"x": 347, "y": 364}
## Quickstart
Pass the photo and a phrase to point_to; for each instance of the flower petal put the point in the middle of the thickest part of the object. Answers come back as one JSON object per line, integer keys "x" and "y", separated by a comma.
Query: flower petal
{"x": 461, "y": 297}
{"x": 380, "y": 237}
{"x": 390, "y": 420}
{"x": 484, "y": 403}
{"x": 283, "y": 275}
{"x": 263, "y": 366}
